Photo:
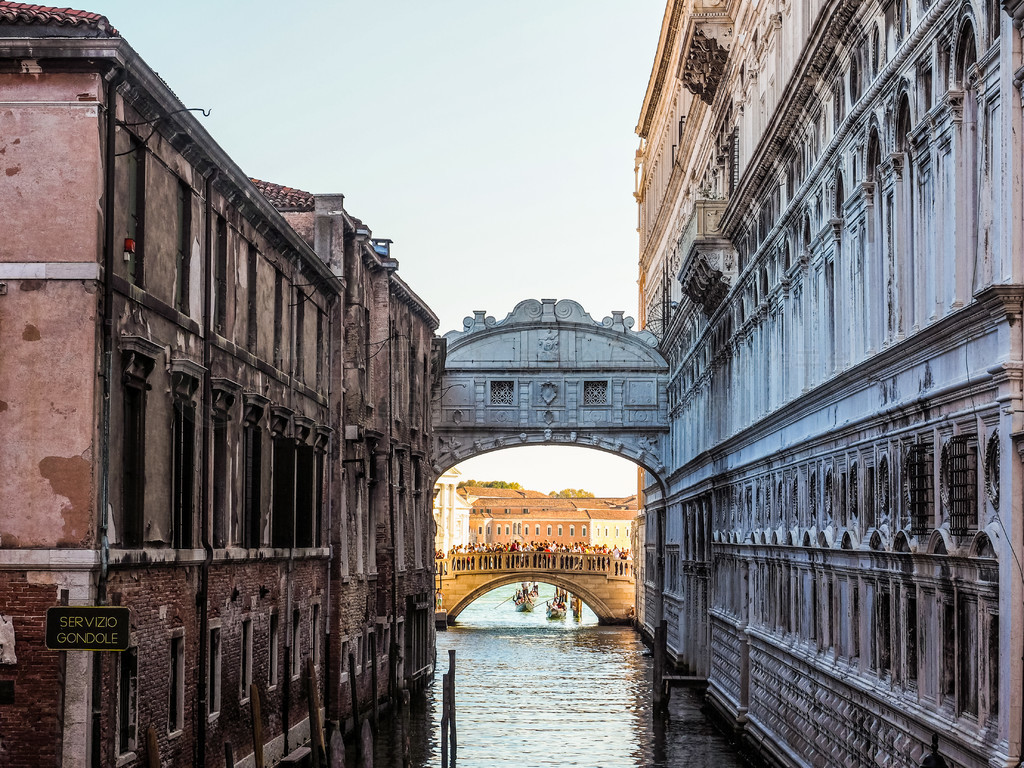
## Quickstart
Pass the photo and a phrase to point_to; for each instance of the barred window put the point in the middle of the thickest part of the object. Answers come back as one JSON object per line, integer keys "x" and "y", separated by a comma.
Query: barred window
{"x": 503, "y": 393}
{"x": 595, "y": 393}
{"x": 960, "y": 484}
{"x": 919, "y": 487}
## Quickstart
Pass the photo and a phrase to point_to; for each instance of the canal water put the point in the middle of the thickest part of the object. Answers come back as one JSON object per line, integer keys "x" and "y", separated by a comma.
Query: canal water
{"x": 534, "y": 692}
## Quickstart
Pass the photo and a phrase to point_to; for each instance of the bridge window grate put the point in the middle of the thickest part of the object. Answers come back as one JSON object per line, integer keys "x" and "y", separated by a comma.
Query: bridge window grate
{"x": 595, "y": 393}
{"x": 502, "y": 393}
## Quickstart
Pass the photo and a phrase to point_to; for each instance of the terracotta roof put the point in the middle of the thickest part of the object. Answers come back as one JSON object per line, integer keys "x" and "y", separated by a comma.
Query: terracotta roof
{"x": 285, "y": 198}
{"x": 25, "y": 14}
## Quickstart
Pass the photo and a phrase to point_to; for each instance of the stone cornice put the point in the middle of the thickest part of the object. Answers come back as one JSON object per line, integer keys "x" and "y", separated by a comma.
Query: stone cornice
{"x": 659, "y": 73}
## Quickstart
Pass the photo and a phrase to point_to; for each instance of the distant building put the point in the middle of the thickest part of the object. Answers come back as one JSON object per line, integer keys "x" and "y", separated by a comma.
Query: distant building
{"x": 214, "y": 402}
{"x": 502, "y": 516}
{"x": 451, "y": 512}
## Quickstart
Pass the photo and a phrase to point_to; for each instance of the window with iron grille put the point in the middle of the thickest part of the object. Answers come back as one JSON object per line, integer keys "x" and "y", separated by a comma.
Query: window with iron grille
{"x": 960, "y": 476}
{"x": 503, "y": 392}
{"x": 919, "y": 487}
{"x": 595, "y": 393}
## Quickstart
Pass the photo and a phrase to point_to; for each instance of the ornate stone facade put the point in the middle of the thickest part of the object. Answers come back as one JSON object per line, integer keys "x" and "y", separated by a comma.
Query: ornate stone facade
{"x": 838, "y": 548}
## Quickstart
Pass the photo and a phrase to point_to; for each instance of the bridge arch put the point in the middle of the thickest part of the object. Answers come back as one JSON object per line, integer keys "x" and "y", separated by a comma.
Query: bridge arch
{"x": 549, "y": 374}
{"x": 605, "y": 583}
{"x": 603, "y": 611}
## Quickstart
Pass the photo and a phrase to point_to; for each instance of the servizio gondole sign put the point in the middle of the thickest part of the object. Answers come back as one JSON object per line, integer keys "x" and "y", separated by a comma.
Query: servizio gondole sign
{"x": 87, "y": 628}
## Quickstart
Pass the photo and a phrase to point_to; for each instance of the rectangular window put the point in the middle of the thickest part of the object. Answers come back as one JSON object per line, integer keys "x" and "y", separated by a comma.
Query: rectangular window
{"x": 220, "y": 277}
{"x": 320, "y": 351}
{"x": 136, "y": 200}
{"x": 314, "y": 634}
{"x": 183, "y": 472}
{"x": 947, "y": 680}
{"x": 912, "y": 638}
{"x": 283, "y": 498}
{"x": 127, "y": 700}
{"x": 252, "y": 326}
{"x": 176, "y": 685}
{"x": 220, "y": 480}
{"x": 595, "y": 393}
{"x": 503, "y": 393}
{"x": 279, "y": 321}
{"x": 183, "y": 259}
{"x": 883, "y": 628}
{"x": 133, "y": 463}
{"x": 245, "y": 654}
{"x": 252, "y": 481}
{"x": 274, "y": 642}
{"x": 213, "y": 687}
{"x": 300, "y": 336}
{"x": 967, "y": 653}
{"x": 305, "y": 496}
{"x": 296, "y": 643}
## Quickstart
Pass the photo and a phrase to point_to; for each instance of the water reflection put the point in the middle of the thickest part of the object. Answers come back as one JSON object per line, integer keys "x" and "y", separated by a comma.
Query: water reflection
{"x": 538, "y": 692}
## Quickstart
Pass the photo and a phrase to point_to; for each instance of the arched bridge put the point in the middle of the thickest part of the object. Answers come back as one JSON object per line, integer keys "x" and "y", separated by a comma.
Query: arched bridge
{"x": 605, "y": 583}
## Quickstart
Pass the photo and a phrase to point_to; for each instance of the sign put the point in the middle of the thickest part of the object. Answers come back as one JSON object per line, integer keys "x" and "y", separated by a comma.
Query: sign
{"x": 87, "y": 628}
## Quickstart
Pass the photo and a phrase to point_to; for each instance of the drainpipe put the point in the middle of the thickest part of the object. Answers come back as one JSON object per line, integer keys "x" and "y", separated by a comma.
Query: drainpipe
{"x": 114, "y": 78}
{"x": 203, "y": 593}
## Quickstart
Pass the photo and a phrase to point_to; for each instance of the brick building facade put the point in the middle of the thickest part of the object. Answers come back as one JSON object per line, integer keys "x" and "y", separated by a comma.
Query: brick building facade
{"x": 176, "y": 344}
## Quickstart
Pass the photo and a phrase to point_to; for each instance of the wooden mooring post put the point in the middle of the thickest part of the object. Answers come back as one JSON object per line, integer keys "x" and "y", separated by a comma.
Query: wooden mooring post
{"x": 444, "y": 720}
{"x": 660, "y": 689}
{"x": 451, "y": 703}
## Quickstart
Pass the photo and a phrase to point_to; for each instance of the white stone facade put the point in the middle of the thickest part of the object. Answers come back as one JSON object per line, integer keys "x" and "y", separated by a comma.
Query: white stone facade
{"x": 830, "y": 217}
{"x": 451, "y": 512}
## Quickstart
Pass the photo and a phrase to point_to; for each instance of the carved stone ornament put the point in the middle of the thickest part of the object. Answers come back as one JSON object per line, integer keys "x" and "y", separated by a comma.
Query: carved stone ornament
{"x": 547, "y": 343}
{"x": 704, "y": 66}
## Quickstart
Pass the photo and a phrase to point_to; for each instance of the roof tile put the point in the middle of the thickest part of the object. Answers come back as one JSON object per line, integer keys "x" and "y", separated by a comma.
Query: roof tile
{"x": 27, "y": 14}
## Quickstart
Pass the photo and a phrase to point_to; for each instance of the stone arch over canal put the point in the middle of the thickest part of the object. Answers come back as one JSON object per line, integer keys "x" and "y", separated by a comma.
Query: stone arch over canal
{"x": 549, "y": 374}
{"x": 605, "y": 583}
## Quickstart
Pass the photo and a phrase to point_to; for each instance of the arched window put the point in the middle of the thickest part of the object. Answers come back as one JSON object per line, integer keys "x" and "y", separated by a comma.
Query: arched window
{"x": 874, "y": 156}
{"x": 840, "y": 194}
{"x": 903, "y": 126}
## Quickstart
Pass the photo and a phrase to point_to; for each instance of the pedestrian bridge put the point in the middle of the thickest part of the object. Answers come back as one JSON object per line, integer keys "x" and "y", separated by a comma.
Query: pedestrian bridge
{"x": 605, "y": 583}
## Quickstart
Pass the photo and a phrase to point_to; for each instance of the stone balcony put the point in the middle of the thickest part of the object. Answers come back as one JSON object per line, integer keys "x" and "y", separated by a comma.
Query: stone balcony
{"x": 708, "y": 257}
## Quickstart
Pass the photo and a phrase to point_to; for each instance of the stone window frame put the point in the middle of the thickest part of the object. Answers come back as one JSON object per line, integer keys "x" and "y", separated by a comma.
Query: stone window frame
{"x": 500, "y": 390}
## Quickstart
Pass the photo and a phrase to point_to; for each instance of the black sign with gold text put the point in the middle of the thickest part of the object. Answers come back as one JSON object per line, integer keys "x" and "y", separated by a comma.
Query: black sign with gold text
{"x": 87, "y": 628}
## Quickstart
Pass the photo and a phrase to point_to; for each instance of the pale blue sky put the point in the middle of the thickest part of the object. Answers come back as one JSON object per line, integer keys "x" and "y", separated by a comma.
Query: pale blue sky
{"x": 493, "y": 142}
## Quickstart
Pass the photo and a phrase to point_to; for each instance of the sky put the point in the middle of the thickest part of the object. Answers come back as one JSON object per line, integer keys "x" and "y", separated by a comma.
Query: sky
{"x": 493, "y": 142}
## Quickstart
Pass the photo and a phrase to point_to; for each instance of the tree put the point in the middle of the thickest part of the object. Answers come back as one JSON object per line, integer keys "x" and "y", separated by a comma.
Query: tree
{"x": 571, "y": 493}
{"x": 492, "y": 484}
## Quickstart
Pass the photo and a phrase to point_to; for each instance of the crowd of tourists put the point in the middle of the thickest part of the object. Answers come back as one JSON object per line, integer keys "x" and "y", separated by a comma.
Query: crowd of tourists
{"x": 537, "y": 546}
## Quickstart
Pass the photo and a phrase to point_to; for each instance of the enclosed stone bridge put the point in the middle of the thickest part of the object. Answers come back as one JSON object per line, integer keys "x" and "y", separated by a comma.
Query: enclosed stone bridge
{"x": 549, "y": 374}
{"x": 605, "y": 583}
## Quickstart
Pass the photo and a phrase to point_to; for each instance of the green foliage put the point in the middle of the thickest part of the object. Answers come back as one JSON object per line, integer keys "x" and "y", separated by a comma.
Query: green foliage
{"x": 571, "y": 493}
{"x": 492, "y": 484}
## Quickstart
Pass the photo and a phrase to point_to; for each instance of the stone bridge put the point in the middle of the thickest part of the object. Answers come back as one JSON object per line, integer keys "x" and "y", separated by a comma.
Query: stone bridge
{"x": 605, "y": 583}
